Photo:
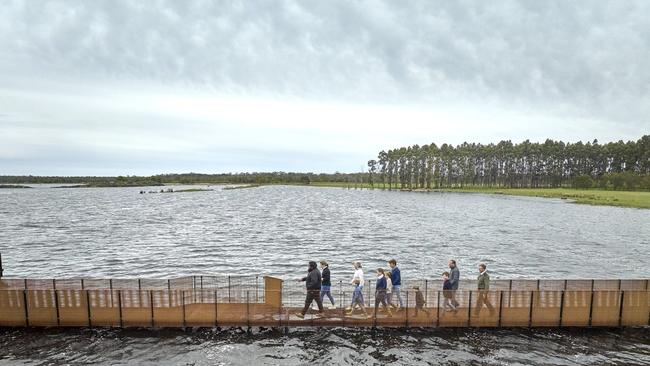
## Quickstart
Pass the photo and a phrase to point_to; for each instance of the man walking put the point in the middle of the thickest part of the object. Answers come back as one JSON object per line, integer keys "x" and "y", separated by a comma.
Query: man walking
{"x": 454, "y": 280}
{"x": 483, "y": 289}
{"x": 313, "y": 285}
{"x": 396, "y": 278}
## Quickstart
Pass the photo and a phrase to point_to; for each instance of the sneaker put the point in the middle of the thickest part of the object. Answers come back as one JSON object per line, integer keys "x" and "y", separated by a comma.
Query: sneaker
{"x": 332, "y": 307}
{"x": 349, "y": 313}
{"x": 300, "y": 315}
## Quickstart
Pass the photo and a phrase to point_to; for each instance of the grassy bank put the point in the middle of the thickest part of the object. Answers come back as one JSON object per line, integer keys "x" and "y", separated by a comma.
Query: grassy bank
{"x": 584, "y": 196}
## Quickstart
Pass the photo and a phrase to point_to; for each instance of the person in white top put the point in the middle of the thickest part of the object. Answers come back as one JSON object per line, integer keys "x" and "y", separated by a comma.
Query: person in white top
{"x": 357, "y": 296}
{"x": 389, "y": 287}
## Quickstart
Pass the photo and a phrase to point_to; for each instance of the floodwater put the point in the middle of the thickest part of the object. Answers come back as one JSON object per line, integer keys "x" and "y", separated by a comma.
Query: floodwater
{"x": 119, "y": 233}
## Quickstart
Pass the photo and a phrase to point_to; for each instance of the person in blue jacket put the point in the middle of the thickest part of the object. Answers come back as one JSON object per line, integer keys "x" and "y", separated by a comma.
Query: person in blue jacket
{"x": 396, "y": 277}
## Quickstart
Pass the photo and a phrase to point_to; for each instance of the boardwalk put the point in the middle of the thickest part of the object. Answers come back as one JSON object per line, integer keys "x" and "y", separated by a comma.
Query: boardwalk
{"x": 208, "y": 301}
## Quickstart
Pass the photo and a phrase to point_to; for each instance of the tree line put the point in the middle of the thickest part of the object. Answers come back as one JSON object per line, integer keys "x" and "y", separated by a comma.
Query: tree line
{"x": 551, "y": 164}
{"x": 187, "y": 178}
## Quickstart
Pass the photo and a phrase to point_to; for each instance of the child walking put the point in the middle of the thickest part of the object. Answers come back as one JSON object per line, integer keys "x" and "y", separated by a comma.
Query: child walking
{"x": 447, "y": 293}
{"x": 380, "y": 292}
{"x": 419, "y": 301}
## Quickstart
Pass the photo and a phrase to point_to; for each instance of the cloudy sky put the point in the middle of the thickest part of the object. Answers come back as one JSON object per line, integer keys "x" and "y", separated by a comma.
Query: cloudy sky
{"x": 145, "y": 87}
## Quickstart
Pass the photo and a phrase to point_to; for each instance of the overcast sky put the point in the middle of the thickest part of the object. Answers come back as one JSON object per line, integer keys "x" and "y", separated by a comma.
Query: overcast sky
{"x": 145, "y": 87}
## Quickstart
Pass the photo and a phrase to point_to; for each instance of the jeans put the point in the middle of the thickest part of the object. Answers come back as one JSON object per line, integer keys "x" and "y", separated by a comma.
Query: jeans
{"x": 380, "y": 298}
{"x": 325, "y": 290}
{"x": 357, "y": 296}
{"x": 396, "y": 293}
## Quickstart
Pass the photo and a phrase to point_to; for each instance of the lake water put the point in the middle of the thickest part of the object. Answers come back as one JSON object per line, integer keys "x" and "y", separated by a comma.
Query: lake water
{"x": 117, "y": 232}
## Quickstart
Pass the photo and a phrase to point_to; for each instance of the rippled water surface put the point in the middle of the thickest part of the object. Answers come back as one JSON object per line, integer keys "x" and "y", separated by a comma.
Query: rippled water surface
{"x": 117, "y": 232}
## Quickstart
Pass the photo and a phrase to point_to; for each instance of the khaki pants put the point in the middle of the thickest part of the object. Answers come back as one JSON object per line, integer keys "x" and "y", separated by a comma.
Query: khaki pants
{"x": 483, "y": 300}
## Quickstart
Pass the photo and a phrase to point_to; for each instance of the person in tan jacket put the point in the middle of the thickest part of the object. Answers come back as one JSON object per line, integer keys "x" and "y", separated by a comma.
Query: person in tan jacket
{"x": 483, "y": 290}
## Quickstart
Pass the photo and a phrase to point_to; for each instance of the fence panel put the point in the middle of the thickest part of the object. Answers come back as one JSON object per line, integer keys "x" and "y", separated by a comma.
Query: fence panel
{"x": 103, "y": 310}
{"x": 12, "y": 308}
{"x": 485, "y": 308}
{"x": 636, "y": 309}
{"x": 167, "y": 308}
{"x": 460, "y": 316}
{"x": 41, "y": 306}
{"x": 136, "y": 308}
{"x": 547, "y": 308}
{"x": 606, "y": 308}
{"x": 73, "y": 307}
{"x": 516, "y": 308}
{"x": 577, "y": 308}
{"x": 200, "y": 308}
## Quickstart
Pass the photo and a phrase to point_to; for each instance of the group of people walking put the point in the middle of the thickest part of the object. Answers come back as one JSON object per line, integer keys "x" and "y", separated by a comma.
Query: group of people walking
{"x": 388, "y": 289}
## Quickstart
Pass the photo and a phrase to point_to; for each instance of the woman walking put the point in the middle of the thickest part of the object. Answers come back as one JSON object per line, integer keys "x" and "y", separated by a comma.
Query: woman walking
{"x": 326, "y": 284}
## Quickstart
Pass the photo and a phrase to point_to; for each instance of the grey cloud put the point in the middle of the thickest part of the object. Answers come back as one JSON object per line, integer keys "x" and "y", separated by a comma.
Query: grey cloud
{"x": 589, "y": 57}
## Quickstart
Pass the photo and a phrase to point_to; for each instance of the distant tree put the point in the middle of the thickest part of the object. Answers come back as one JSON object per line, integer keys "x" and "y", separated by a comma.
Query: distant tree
{"x": 582, "y": 182}
{"x": 372, "y": 169}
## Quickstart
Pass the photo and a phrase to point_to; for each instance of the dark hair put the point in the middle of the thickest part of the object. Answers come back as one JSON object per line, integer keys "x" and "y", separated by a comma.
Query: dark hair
{"x": 323, "y": 263}
{"x": 392, "y": 261}
{"x": 482, "y": 265}
{"x": 453, "y": 261}
{"x": 380, "y": 270}
{"x": 445, "y": 273}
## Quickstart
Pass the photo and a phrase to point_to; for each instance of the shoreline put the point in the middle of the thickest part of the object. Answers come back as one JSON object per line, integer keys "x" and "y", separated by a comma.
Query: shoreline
{"x": 594, "y": 197}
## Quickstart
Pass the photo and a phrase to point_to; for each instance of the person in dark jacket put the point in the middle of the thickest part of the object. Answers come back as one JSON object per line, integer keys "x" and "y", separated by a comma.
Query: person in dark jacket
{"x": 419, "y": 301}
{"x": 380, "y": 292}
{"x": 313, "y": 284}
{"x": 326, "y": 284}
{"x": 483, "y": 284}
{"x": 454, "y": 279}
{"x": 447, "y": 292}
{"x": 396, "y": 277}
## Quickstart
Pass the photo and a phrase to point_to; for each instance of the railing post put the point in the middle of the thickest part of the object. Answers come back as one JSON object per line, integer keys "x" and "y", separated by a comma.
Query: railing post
{"x": 82, "y": 284}
{"x": 56, "y": 304}
{"x": 119, "y": 303}
{"x": 26, "y": 306}
{"x": 407, "y": 308}
{"x": 620, "y": 311}
{"x": 248, "y": 311}
{"x": 257, "y": 288}
{"x": 169, "y": 292}
{"x": 500, "y": 308}
{"x": 201, "y": 289}
{"x": 530, "y": 314}
{"x": 647, "y": 287}
{"x": 151, "y": 306}
{"x": 438, "y": 310}
{"x": 1, "y": 268}
{"x": 228, "y": 288}
{"x": 90, "y": 322}
{"x": 216, "y": 308}
{"x": 139, "y": 293}
{"x": 183, "y": 305}
{"x": 469, "y": 310}
{"x": 562, "y": 309}
{"x": 56, "y": 301}
{"x": 510, "y": 293}
{"x": 591, "y": 304}
{"x": 110, "y": 287}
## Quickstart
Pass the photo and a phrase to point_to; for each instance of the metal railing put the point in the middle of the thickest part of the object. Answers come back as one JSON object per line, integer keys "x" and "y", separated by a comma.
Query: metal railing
{"x": 249, "y": 301}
